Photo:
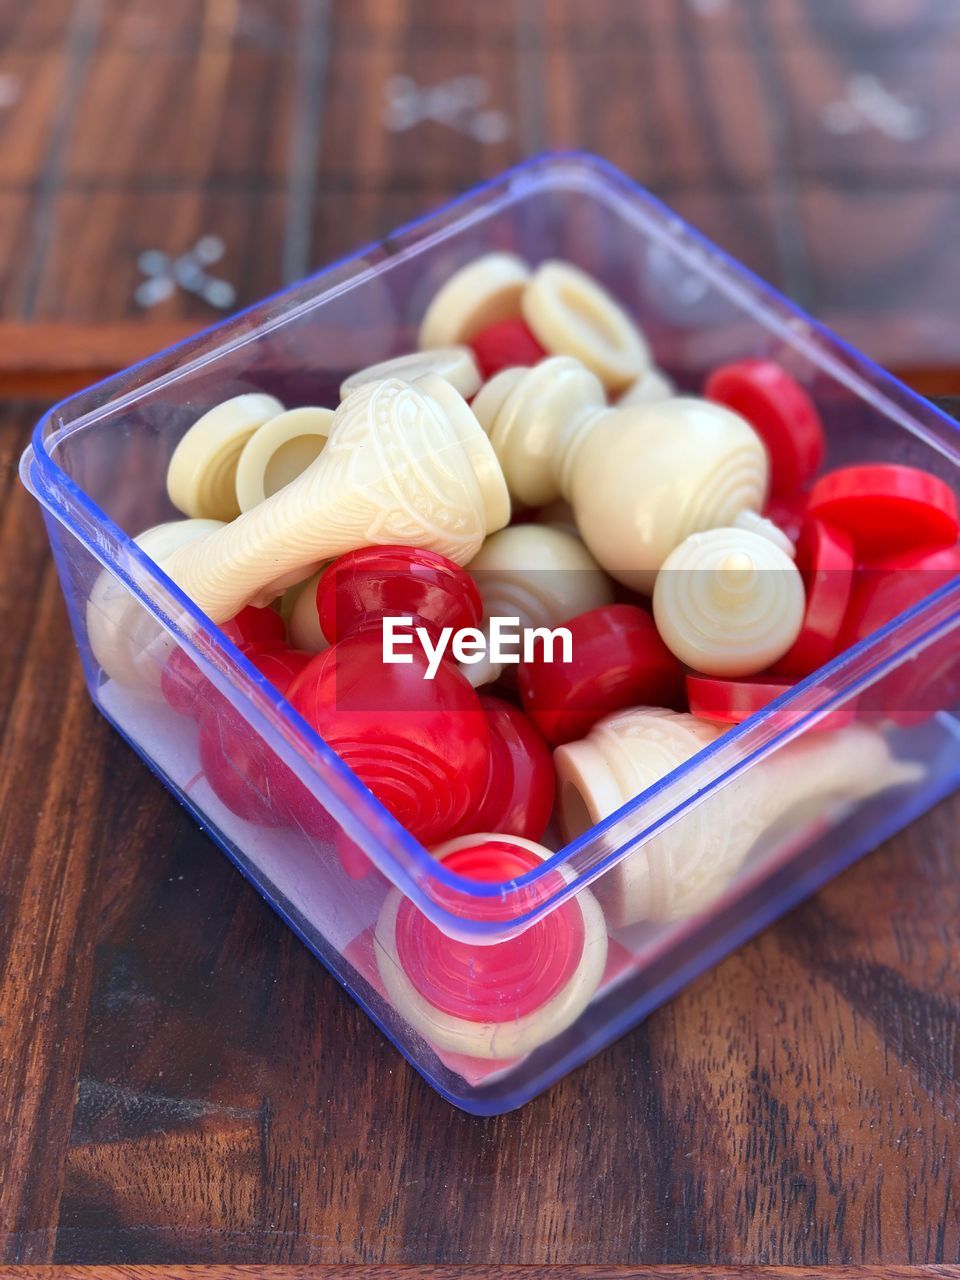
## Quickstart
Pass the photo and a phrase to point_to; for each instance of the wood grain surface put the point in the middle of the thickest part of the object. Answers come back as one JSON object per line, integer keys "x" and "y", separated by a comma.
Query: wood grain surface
{"x": 401, "y": 1272}
{"x": 408, "y": 1272}
{"x": 181, "y": 1082}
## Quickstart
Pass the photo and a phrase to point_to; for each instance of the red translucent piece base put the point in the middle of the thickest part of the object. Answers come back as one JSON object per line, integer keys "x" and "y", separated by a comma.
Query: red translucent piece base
{"x": 422, "y": 746}
{"x": 491, "y": 983}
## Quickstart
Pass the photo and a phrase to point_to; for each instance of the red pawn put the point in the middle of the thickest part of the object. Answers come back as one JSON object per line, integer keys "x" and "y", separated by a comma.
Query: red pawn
{"x": 887, "y": 509}
{"x": 825, "y": 560}
{"x": 519, "y": 793}
{"x": 506, "y": 345}
{"x": 421, "y": 746}
{"x": 618, "y": 661}
{"x": 253, "y": 626}
{"x": 363, "y": 587}
{"x": 782, "y": 414}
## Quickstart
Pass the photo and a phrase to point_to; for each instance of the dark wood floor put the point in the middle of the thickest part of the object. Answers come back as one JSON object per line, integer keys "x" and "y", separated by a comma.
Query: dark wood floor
{"x": 180, "y": 1079}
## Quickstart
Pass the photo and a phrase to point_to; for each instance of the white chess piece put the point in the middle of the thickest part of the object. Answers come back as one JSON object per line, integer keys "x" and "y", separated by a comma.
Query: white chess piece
{"x": 728, "y": 602}
{"x": 684, "y": 867}
{"x": 279, "y": 451}
{"x": 484, "y": 292}
{"x": 404, "y": 464}
{"x": 640, "y": 479}
{"x": 201, "y": 474}
{"x": 539, "y": 574}
{"x": 456, "y": 364}
{"x": 651, "y": 387}
{"x": 126, "y": 640}
{"x": 571, "y": 314}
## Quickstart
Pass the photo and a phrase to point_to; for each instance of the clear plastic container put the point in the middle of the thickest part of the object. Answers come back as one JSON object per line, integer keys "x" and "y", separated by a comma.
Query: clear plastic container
{"x": 776, "y": 806}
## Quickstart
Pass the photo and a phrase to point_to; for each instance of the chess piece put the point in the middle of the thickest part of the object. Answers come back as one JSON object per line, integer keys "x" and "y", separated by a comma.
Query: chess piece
{"x": 571, "y": 314}
{"x": 420, "y": 745}
{"x": 681, "y": 869}
{"x": 651, "y": 387}
{"x": 619, "y": 661}
{"x": 455, "y": 365}
{"x": 126, "y": 640}
{"x": 887, "y": 509}
{"x": 639, "y": 479}
{"x": 538, "y": 574}
{"x": 491, "y": 1001}
{"x": 303, "y": 621}
{"x": 520, "y": 789}
{"x": 363, "y": 587}
{"x": 781, "y": 412}
{"x": 278, "y": 452}
{"x": 480, "y": 294}
{"x": 509, "y": 344}
{"x": 824, "y": 557}
{"x": 766, "y": 528}
{"x": 201, "y": 475}
{"x": 728, "y": 602}
{"x": 404, "y": 463}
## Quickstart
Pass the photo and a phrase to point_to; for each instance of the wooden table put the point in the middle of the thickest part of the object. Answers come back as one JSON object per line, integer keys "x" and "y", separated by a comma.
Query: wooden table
{"x": 180, "y": 1080}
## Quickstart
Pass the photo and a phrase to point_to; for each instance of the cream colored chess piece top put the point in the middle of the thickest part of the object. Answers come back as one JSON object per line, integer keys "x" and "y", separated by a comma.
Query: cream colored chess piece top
{"x": 514, "y": 1036}
{"x": 201, "y": 476}
{"x": 126, "y": 640}
{"x": 571, "y": 314}
{"x": 279, "y": 451}
{"x": 681, "y": 869}
{"x": 728, "y": 602}
{"x": 456, "y": 364}
{"x": 404, "y": 463}
{"x": 303, "y": 621}
{"x": 541, "y": 575}
{"x": 482, "y": 293}
{"x": 650, "y": 387}
{"x": 640, "y": 479}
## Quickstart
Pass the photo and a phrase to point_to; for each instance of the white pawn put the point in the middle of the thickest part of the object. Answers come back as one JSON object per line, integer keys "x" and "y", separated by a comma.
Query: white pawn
{"x": 538, "y": 574}
{"x": 129, "y": 644}
{"x": 640, "y": 479}
{"x": 728, "y": 602}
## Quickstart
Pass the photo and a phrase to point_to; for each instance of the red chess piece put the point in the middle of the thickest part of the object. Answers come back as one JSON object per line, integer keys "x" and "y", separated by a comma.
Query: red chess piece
{"x": 826, "y": 564}
{"x": 782, "y": 414}
{"x": 361, "y": 588}
{"x": 242, "y": 771}
{"x": 492, "y": 1000}
{"x": 917, "y": 689}
{"x": 887, "y": 509}
{"x": 733, "y": 701}
{"x": 253, "y": 626}
{"x": 279, "y": 664}
{"x": 506, "y": 345}
{"x": 183, "y": 685}
{"x": 518, "y": 797}
{"x": 508, "y": 979}
{"x": 422, "y": 746}
{"x": 618, "y": 661}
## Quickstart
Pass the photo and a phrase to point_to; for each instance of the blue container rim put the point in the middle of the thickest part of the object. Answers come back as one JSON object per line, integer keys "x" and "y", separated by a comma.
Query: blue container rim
{"x": 397, "y": 853}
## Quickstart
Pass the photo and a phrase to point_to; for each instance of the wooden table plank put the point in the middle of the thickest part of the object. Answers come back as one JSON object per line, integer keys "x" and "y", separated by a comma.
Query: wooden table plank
{"x": 418, "y": 1272}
